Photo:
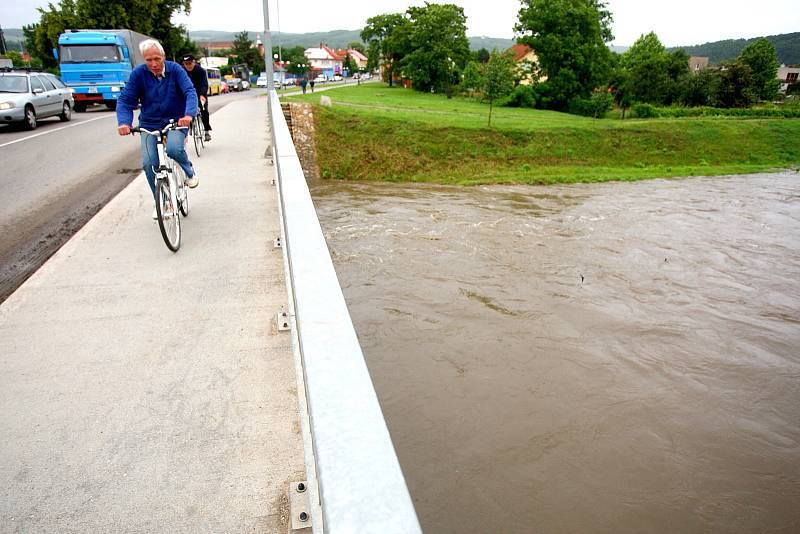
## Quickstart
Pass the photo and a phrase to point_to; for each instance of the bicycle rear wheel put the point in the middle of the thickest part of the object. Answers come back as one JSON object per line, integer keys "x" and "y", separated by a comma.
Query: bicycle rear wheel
{"x": 169, "y": 221}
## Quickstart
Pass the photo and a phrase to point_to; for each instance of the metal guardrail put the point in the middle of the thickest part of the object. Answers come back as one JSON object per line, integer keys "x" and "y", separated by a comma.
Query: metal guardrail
{"x": 361, "y": 486}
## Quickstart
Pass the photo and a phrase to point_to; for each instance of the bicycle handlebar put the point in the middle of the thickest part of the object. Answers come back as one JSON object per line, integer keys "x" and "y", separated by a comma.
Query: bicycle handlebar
{"x": 171, "y": 126}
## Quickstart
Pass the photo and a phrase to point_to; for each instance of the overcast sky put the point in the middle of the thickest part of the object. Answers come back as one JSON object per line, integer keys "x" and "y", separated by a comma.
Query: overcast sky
{"x": 676, "y": 22}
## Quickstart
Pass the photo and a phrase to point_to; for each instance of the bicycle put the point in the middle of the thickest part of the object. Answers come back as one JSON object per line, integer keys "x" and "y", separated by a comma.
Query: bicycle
{"x": 172, "y": 198}
{"x": 198, "y": 131}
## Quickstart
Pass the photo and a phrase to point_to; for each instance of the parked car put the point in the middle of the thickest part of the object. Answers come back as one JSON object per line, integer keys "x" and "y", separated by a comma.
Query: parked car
{"x": 245, "y": 85}
{"x": 337, "y": 78}
{"x": 27, "y": 96}
{"x": 261, "y": 81}
{"x": 366, "y": 76}
{"x": 223, "y": 87}
{"x": 235, "y": 84}
{"x": 320, "y": 79}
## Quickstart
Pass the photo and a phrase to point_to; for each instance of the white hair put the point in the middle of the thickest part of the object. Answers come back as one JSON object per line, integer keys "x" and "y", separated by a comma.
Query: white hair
{"x": 151, "y": 43}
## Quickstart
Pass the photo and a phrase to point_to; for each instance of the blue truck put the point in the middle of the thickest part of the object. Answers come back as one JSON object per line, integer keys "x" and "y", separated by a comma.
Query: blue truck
{"x": 96, "y": 64}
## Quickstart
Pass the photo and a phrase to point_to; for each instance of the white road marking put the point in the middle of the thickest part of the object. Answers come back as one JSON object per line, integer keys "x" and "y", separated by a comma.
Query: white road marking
{"x": 114, "y": 115}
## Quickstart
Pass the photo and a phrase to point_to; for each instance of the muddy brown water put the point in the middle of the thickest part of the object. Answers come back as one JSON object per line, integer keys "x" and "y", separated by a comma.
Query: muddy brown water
{"x": 621, "y": 357}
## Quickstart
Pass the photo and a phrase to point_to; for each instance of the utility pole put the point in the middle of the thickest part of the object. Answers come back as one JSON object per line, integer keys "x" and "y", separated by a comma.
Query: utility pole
{"x": 3, "y": 48}
{"x": 268, "y": 48}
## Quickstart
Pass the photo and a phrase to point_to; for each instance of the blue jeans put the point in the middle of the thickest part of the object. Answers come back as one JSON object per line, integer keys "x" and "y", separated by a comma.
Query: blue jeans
{"x": 175, "y": 150}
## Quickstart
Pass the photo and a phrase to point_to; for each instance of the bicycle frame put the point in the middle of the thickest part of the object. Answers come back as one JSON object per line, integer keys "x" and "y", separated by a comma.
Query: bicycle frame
{"x": 167, "y": 173}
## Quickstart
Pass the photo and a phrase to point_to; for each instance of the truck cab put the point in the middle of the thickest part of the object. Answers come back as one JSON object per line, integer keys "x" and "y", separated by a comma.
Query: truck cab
{"x": 96, "y": 64}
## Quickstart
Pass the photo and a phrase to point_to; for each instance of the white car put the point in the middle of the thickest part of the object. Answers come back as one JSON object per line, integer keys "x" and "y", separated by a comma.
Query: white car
{"x": 261, "y": 81}
{"x": 320, "y": 79}
{"x": 337, "y": 78}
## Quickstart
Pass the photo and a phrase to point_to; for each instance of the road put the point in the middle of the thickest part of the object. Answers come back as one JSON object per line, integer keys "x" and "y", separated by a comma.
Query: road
{"x": 57, "y": 177}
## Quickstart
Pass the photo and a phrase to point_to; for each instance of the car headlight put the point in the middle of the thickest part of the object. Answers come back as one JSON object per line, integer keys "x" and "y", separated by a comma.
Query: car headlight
{"x": 6, "y": 105}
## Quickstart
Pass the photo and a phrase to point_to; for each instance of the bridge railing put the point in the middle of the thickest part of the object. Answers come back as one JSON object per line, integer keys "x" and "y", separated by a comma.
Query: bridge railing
{"x": 353, "y": 471}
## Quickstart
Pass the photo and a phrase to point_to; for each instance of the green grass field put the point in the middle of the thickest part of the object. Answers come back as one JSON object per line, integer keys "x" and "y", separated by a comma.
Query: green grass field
{"x": 376, "y": 133}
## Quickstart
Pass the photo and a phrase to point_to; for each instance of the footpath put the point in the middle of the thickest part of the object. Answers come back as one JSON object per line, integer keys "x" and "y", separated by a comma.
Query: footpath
{"x": 146, "y": 391}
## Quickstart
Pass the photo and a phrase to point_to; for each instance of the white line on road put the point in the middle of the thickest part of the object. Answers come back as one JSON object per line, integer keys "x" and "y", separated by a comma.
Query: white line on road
{"x": 57, "y": 129}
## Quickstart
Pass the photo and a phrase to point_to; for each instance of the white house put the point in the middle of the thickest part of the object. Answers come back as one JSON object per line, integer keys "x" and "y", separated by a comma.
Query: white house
{"x": 324, "y": 59}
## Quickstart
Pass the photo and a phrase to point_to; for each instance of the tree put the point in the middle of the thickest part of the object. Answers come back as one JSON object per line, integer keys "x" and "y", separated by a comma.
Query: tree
{"x": 41, "y": 38}
{"x": 296, "y": 57}
{"x": 350, "y": 64}
{"x": 357, "y": 45}
{"x": 569, "y": 38}
{"x": 439, "y": 46}
{"x": 244, "y": 52}
{"x": 760, "y": 56}
{"x": 646, "y": 66}
{"x": 700, "y": 89}
{"x": 472, "y": 79}
{"x": 620, "y": 84}
{"x": 481, "y": 56}
{"x": 387, "y": 41}
{"x": 498, "y": 80}
{"x": 150, "y": 17}
{"x": 735, "y": 88}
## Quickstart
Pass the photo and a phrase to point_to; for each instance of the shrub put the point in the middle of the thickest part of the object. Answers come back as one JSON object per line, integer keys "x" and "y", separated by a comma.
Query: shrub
{"x": 524, "y": 96}
{"x": 595, "y": 106}
{"x": 645, "y": 111}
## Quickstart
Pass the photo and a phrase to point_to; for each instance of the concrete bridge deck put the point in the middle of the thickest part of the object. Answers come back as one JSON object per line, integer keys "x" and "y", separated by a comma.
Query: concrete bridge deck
{"x": 146, "y": 391}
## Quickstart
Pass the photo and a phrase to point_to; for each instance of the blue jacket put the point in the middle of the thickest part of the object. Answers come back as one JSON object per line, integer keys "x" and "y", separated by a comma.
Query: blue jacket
{"x": 161, "y": 100}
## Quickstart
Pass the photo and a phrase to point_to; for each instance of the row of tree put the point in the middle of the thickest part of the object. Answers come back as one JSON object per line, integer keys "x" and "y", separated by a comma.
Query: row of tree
{"x": 648, "y": 73}
{"x": 576, "y": 70}
{"x": 149, "y": 17}
{"x": 428, "y": 45}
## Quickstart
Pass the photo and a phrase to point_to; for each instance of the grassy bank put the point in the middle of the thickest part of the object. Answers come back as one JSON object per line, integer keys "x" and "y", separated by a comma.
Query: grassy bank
{"x": 377, "y": 133}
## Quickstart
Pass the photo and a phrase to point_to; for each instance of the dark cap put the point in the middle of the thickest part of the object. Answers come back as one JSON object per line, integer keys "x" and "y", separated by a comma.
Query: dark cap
{"x": 188, "y": 57}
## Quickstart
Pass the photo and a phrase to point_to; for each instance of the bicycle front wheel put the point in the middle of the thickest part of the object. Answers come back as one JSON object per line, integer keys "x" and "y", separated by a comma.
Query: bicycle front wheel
{"x": 169, "y": 220}
{"x": 183, "y": 190}
{"x": 201, "y": 132}
{"x": 196, "y": 136}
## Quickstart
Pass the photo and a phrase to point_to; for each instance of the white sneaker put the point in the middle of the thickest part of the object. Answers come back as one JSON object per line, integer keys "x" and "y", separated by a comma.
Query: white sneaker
{"x": 192, "y": 182}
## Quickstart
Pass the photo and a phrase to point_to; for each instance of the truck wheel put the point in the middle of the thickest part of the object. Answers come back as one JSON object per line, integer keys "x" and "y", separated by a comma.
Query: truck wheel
{"x": 80, "y": 108}
{"x": 111, "y": 104}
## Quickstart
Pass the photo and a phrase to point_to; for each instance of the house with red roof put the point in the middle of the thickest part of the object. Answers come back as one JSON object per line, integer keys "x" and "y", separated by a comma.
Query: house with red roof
{"x": 527, "y": 64}
{"x": 324, "y": 60}
{"x": 359, "y": 58}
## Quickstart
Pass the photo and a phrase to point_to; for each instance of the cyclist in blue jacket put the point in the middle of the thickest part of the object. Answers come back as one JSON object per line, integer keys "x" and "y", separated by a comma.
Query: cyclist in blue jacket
{"x": 165, "y": 92}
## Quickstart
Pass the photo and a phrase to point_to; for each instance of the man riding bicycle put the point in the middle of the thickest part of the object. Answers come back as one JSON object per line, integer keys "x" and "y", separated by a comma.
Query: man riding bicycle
{"x": 165, "y": 93}
{"x": 200, "y": 81}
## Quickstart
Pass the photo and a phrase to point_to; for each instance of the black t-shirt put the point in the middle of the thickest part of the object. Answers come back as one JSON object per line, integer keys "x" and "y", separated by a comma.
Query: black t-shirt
{"x": 199, "y": 80}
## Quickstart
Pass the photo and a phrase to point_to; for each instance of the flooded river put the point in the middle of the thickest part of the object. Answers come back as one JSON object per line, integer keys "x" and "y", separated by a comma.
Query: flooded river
{"x": 621, "y": 357}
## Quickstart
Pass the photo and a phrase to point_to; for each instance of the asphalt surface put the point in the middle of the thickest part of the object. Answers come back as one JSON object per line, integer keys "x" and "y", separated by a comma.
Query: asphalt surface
{"x": 57, "y": 177}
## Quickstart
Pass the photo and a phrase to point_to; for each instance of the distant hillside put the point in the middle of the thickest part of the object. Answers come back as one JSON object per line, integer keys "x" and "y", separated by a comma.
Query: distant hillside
{"x": 335, "y": 39}
{"x": 787, "y": 46}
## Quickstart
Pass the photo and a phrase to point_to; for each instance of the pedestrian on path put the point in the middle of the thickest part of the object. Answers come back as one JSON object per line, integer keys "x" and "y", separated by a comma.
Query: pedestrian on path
{"x": 311, "y": 83}
{"x": 303, "y": 83}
